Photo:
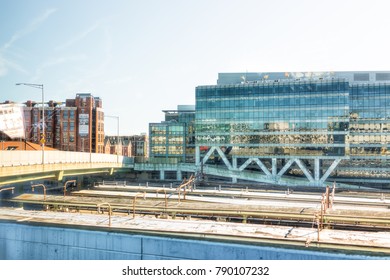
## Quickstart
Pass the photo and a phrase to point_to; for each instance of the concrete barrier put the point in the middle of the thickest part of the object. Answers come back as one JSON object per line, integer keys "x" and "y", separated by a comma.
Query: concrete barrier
{"x": 32, "y": 242}
{"x": 17, "y": 158}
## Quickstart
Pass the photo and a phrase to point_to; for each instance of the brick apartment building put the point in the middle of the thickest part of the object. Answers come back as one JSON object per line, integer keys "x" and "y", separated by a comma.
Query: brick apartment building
{"x": 130, "y": 146}
{"x": 74, "y": 125}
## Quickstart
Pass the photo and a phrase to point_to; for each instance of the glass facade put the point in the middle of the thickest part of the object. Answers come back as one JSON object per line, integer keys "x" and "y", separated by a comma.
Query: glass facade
{"x": 338, "y": 117}
{"x": 274, "y": 119}
{"x": 322, "y": 126}
{"x": 370, "y": 120}
{"x": 369, "y": 132}
{"x": 173, "y": 138}
{"x": 167, "y": 140}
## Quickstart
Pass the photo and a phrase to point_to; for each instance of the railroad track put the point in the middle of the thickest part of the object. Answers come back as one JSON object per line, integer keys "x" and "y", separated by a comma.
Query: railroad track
{"x": 377, "y": 201}
{"x": 296, "y": 217}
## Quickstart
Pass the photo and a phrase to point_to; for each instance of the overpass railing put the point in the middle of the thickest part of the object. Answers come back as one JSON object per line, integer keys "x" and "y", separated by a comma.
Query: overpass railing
{"x": 17, "y": 158}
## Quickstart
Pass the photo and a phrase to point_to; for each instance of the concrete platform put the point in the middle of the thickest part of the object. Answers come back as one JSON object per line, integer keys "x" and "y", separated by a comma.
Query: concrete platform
{"x": 371, "y": 243}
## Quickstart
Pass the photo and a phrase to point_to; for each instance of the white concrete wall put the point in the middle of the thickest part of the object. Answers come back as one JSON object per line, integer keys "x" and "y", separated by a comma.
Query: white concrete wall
{"x": 15, "y": 158}
{"x": 28, "y": 242}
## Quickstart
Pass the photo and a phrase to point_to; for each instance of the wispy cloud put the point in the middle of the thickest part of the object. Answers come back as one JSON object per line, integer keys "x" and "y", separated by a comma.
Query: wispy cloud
{"x": 100, "y": 69}
{"x": 107, "y": 49}
{"x": 6, "y": 63}
{"x": 15, "y": 66}
{"x": 33, "y": 25}
{"x": 3, "y": 67}
{"x": 119, "y": 81}
{"x": 56, "y": 61}
{"x": 79, "y": 36}
{"x": 90, "y": 71}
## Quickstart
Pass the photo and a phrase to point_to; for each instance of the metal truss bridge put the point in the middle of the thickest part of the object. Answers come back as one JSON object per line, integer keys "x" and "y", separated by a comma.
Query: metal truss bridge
{"x": 21, "y": 166}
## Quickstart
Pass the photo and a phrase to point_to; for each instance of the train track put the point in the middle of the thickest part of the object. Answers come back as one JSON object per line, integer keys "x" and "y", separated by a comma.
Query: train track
{"x": 373, "y": 201}
{"x": 298, "y": 216}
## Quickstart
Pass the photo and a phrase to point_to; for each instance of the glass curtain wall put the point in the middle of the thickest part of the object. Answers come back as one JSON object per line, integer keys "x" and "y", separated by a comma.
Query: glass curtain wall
{"x": 167, "y": 140}
{"x": 305, "y": 118}
{"x": 369, "y": 133}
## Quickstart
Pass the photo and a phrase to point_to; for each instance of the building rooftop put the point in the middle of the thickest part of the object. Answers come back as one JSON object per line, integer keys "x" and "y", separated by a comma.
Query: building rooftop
{"x": 23, "y": 146}
{"x": 350, "y": 76}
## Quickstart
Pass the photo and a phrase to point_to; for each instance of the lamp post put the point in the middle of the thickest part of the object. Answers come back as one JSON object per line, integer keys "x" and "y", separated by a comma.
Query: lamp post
{"x": 117, "y": 118}
{"x": 39, "y": 86}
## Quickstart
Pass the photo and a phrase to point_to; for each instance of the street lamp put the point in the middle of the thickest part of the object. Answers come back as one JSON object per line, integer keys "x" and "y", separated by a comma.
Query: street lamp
{"x": 117, "y": 118}
{"x": 40, "y": 86}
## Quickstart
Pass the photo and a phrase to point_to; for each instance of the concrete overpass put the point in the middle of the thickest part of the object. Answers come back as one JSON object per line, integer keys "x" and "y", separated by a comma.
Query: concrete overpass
{"x": 21, "y": 166}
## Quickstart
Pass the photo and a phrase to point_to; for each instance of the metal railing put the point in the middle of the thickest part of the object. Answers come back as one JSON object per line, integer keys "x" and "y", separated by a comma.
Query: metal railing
{"x": 44, "y": 189}
{"x": 165, "y": 196}
{"x": 19, "y": 158}
{"x": 135, "y": 199}
{"x": 8, "y": 189}
{"x": 109, "y": 211}
{"x": 66, "y": 183}
{"x": 186, "y": 184}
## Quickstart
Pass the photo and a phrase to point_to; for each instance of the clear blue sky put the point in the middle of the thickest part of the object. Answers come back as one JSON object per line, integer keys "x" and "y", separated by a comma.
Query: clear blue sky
{"x": 143, "y": 56}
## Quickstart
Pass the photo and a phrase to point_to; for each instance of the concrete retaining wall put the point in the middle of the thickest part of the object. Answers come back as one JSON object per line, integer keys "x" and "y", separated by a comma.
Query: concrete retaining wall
{"x": 28, "y": 242}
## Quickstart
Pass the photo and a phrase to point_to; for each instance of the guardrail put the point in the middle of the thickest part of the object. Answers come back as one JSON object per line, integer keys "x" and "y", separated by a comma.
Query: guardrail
{"x": 18, "y": 158}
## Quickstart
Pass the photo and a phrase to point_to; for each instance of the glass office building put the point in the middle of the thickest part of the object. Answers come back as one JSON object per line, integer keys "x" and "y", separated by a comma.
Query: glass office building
{"x": 283, "y": 119}
{"x": 333, "y": 125}
{"x": 174, "y": 138}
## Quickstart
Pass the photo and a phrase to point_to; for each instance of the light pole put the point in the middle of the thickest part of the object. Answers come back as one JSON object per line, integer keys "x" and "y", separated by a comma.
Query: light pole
{"x": 40, "y": 86}
{"x": 117, "y": 139}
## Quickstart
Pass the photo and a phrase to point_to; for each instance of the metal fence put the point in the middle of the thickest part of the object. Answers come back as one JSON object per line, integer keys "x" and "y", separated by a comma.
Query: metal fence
{"x": 16, "y": 158}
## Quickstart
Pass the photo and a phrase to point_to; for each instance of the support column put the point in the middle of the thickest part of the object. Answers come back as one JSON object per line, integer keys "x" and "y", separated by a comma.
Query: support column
{"x": 179, "y": 175}
{"x": 234, "y": 163}
{"x": 162, "y": 175}
{"x": 60, "y": 185}
{"x": 80, "y": 182}
{"x": 234, "y": 179}
{"x": 317, "y": 171}
{"x": 197, "y": 155}
{"x": 60, "y": 175}
{"x": 274, "y": 169}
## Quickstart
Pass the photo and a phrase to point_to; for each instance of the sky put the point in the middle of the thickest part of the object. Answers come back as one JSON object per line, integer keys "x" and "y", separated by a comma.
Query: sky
{"x": 145, "y": 56}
